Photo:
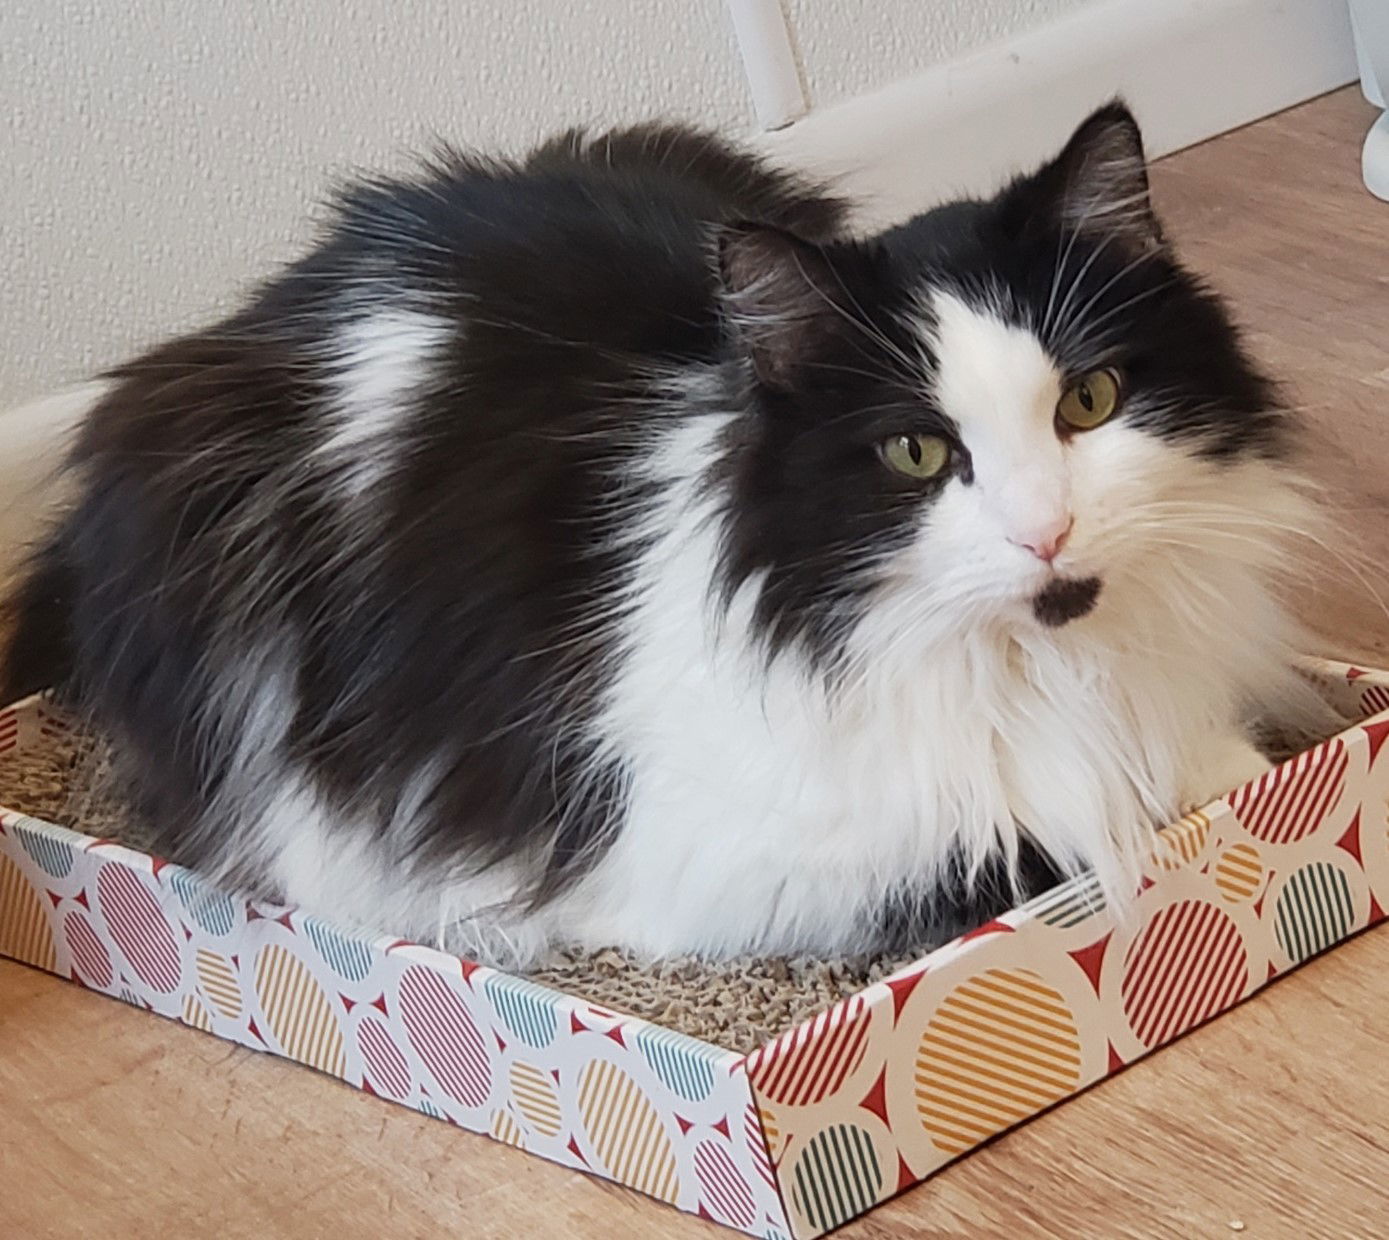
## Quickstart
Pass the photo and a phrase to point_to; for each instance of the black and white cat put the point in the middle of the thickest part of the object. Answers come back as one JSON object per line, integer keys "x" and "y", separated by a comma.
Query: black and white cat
{"x": 602, "y": 548}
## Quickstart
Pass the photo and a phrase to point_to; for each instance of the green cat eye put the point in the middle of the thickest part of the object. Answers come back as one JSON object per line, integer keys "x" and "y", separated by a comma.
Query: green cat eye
{"x": 915, "y": 456}
{"x": 1090, "y": 401}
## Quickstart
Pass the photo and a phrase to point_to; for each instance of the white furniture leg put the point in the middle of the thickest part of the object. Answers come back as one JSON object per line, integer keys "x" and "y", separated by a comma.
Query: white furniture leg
{"x": 1370, "y": 21}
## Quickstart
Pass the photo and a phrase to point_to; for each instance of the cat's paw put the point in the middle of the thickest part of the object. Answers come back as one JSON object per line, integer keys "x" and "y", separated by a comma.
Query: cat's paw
{"x": 1230, "y": 762}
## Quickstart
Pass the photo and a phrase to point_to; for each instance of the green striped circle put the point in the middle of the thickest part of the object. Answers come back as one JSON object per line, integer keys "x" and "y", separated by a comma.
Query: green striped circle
{"x": 1314, "y": 910}
{"x": 837, "y": 1176}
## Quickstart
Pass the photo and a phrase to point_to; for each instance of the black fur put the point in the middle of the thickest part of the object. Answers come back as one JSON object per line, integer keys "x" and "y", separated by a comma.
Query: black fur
{"x": 1066, "y": 599}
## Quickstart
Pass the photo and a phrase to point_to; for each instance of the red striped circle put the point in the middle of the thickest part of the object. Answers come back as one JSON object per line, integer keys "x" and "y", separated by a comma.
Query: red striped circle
{"x": 387, "y": 1070}
{"x": 1188, "y": 964}
{"x": 723, "y": 1185}
{"x": 139, "y": 928}
{"x": 808, "y": 1064}
{"x": 1374, "y": 699}
{"x": 89, "y": 957}
{"x": 757, "y": 1146}
{"x": 445, "y": 1036}
{"x": 1290, "y": 801}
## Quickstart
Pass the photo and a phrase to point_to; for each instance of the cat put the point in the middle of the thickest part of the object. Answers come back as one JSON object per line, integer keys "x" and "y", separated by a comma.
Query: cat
{"x": 609, "y": 548}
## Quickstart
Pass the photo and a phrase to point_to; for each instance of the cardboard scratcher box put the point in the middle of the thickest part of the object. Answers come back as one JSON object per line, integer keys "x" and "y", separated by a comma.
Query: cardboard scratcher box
{"x": 869, "y": 1097}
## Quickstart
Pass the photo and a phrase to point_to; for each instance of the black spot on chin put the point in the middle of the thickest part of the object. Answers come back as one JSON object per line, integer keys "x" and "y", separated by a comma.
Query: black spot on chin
{"x": 1066, "y": 599}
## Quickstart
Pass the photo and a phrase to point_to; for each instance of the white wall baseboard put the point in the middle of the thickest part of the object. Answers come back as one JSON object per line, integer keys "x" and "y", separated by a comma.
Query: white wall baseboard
{"x": 1190, "y": 69}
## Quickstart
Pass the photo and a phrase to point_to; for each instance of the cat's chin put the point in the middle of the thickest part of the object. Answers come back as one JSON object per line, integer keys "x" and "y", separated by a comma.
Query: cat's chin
{"x": 1064, "y": 599}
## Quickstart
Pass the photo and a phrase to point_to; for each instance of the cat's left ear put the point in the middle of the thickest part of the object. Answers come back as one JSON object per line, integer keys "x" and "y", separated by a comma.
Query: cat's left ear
{"x": 1097, "y": 185}
{"x": 779, "y": 295}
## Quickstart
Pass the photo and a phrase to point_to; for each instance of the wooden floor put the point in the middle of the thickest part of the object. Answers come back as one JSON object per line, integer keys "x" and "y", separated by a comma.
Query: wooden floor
{"x": 1273, "y": 1121}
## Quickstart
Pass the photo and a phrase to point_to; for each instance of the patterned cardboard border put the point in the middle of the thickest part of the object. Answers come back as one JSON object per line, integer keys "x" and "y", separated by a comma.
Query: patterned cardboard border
{"x": 849, "y": 1108}
{"x": 890, "y": 1085}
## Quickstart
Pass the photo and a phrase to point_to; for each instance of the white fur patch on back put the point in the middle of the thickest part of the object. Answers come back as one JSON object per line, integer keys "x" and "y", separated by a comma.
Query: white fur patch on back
{"x": 381, "y": 364}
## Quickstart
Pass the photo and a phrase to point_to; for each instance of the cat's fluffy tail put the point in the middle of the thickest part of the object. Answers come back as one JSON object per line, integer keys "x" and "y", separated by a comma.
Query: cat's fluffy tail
{"x": 36, "y": 646}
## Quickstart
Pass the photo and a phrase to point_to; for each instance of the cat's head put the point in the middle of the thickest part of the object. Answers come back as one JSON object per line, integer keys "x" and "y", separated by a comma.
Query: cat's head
{"x": 1021, "y": 412}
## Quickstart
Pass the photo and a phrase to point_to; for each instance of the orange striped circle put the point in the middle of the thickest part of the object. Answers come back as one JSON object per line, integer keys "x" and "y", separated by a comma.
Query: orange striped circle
{"x": 1239, "y": 872}
{"x": 196, "y": 1015}
{"x": 536, "y": 1099}
{"x": 625, "y": 1130}
{"x": 999, "y": 1048}
{"x": 1188, "y": 964}
{"x": 24, "y": 930}
{"x": 505, "y": 1128}
{"x": 1179, "y": 844}
{"x": 219, "y": 983}
{"x": 298, "y": 1012}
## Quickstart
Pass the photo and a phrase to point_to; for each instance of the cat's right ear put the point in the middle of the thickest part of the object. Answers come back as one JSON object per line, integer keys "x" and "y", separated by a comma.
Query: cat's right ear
{"x": 779, "y": 299}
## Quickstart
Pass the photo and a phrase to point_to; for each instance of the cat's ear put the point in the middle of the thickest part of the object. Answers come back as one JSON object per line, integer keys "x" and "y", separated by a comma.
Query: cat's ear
{"x": 778, "y": 296}
{"x": 1098, "y": 184}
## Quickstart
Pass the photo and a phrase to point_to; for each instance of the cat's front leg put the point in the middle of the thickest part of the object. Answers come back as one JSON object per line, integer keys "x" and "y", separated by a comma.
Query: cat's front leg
{"x": 1229, "y": 762}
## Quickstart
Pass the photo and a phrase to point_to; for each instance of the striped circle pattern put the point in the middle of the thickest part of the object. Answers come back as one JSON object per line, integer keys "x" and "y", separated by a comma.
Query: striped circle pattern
{"x": 1374, "y": 698}
{"x": 676, "y": 1062}
{"x": 445, "y": 1036}
{"x": 1188, "y": 963}
{"x": 1181, "y": 843}
{"x": 1071, "y": 903}
{"x": 722, "y": 1186}
{"x": 349, "y": 958}
{"x": 760, "y": 1130}
{"x": 219, "y": 984}
{"x": 836, "y": 1176}
{"x": 998, "y": 1048}
{"x": 386, "y": 1067}
{"x": 89, "y": 956}
{"x": 207, "y": 908}
{"x": 297, "y": 1011}
{"x": 536, "y": 1099}
{"x": 195, "y": 1014}
{"x": 50, "y": 855}
{"x": 816, "y": 1058}
{"x": 625, "y": 1130}
{"x": 526, "y": 1009}
{"x": 1314, "y": 910}
{"x": 1239, "y": 872}
{"x": 505, "y": 1129}
{"x": 1291, "y": 800}
{"x": 139, "y": 928}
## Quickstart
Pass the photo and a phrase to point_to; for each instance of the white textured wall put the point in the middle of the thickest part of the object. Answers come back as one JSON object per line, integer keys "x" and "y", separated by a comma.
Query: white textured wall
{"x": 154, "y": 154}
{"x": 157, "y": 154}
{"x": 849, "y": 46}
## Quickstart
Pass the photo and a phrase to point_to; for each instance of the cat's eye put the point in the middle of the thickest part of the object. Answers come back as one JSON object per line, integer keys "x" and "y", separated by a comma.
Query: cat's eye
{"x": 1090, "y": 400}
{"x": 915, "y": 456}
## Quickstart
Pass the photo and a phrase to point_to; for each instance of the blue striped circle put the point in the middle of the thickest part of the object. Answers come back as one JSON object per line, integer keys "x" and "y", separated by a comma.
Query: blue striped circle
{"x": 208, "y": 907}
{"x": 429, "y": 1108}
{"x": 349, "y": 958}
{"x": 52, "y": 856}
{"x": 526, "y": 1009}
{"x": 683, "y": 1065}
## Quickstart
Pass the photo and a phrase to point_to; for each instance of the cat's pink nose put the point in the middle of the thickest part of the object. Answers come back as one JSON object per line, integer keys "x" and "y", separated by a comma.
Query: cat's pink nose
{"x": 1046, "y": 542}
